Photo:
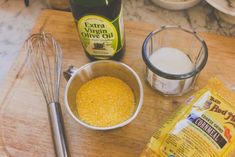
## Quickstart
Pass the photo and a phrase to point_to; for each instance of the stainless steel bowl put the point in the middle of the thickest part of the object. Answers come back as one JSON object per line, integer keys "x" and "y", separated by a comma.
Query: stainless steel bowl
{"x": 77, "y": 77}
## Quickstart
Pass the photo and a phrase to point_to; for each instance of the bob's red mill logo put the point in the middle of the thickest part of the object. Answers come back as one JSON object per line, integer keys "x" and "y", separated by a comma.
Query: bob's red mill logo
{"x": 216, "y": 108}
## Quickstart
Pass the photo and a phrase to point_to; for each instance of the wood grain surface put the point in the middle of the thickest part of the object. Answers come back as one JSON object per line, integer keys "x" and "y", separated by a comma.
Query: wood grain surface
{"x": 24, "y": 125}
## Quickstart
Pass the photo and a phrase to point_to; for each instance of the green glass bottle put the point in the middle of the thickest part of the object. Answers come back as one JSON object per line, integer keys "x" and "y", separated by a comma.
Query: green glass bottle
{"x": 100, "y": 27}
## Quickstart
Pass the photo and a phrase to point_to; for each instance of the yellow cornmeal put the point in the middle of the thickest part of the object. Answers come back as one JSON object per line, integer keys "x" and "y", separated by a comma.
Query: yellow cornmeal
{"x": 105, "y": 101}
{"x": 202, "y": 127}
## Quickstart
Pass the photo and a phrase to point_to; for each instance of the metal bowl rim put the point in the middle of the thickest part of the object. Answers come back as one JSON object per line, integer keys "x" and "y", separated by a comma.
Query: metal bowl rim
{"x": 130, "y": 119}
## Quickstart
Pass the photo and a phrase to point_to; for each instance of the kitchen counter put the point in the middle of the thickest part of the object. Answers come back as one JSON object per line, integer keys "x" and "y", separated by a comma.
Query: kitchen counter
{"x": 16, "y": 22}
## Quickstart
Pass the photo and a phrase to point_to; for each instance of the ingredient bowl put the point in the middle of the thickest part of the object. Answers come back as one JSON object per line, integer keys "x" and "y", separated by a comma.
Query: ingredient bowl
{"x": 176, "y": 4}
{"x": 225, "y": 9}
{"x": 174, "y": 57}
{"x": 77, "y": 77}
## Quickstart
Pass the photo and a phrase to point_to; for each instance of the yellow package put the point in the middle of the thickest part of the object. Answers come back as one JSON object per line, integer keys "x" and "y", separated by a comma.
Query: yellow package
{"x": 203, "y": 127}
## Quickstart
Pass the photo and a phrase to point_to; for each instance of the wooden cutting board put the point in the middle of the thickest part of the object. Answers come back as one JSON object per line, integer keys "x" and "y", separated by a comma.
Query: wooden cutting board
{"x": 24, "y": 125}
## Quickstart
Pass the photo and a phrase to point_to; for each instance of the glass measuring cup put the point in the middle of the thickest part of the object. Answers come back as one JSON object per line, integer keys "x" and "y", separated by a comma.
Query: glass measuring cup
{"x": 185, "y": 55}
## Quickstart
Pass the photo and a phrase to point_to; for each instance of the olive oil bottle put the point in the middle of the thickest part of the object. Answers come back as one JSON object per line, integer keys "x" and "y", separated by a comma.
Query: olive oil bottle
{"x": 100, "y": 27}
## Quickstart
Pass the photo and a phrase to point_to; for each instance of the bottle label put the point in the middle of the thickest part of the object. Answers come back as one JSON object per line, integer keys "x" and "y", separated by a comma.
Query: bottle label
{"x": 100, "y": 37}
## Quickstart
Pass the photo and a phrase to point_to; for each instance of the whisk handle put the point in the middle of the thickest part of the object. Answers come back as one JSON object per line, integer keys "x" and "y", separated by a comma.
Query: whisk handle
{"x": 57, "y": 128}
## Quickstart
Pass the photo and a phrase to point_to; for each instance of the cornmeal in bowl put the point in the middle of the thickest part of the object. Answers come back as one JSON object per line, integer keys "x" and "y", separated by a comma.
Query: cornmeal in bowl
{"x": 105, "y": 101}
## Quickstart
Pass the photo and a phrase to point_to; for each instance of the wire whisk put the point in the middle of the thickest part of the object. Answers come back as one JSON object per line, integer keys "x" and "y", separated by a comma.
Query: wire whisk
{"x": 45, "y": 62}
{"x": 46, "y": 69}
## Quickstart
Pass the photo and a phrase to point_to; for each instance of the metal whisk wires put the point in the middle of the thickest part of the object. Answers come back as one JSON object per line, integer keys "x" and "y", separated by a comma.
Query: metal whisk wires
{"x": 45, "y": 61}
